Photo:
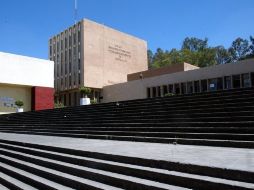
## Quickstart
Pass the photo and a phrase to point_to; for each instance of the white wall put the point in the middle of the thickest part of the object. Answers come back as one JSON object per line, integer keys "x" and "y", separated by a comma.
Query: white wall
{"x": 22, "y": 70}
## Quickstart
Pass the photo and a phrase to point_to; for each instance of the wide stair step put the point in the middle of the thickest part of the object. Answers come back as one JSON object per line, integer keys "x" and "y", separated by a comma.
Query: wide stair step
{"x": 56, "y": 165}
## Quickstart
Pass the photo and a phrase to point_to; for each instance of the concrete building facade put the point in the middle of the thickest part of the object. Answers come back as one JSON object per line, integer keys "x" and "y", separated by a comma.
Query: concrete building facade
{"x": 157, "y": 83}
{"x": 93, "y": 55}
{"x": 27, "y": 79}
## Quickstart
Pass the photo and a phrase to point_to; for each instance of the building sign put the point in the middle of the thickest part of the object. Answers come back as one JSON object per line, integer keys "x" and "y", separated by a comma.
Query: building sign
{"x": 120, "y": 53}
{"x": 7, "y": 102}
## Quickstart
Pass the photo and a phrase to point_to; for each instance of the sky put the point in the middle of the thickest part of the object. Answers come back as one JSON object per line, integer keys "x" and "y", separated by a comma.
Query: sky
{"x": 27, "y": 25}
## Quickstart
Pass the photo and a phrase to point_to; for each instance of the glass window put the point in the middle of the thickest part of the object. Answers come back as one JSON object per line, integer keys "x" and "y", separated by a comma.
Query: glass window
{"x": 154, "y": 92}
{"x": 65, "y": 99}
{"x": 204, "y": 85}
{"x": 212, "y": 84}
{"x": 69, "y": 99}
{"x": 165, "y": 89}
{"x": 171, "y": 88}
{"x": 189, "y": 87}
{"x": 183, "y": 88}
{"x": 252, "y": 78}
{"x": 245, "y": 80}
{"x": 70, "y": 81}
{"x": 196, "y": 86}
{"x": 219, "y": 83}
{"x": 148, "y": 93}
{"x": 227, "y": 82}
{"x": 236, "y": 81}
{"x": 75, "y": 98}
{"x": 177, "y": 89}
{"x": 159, "y": 91}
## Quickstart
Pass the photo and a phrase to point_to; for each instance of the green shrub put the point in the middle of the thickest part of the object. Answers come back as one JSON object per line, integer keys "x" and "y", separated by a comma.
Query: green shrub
{"x": 85, "y": 91}
{"x": 19, "y": 103}
{"x": 94, "y": 101}
{"x": 169, "y": 94}
{"x": 58, "y": 105}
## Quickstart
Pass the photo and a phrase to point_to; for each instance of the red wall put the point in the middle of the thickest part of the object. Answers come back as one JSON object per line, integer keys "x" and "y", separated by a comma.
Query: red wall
{"x": 42, "y": 98}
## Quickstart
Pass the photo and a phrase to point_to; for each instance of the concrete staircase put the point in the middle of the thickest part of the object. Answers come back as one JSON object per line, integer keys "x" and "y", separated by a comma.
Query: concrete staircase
{"x": 217, "y": 119}
{"x": 222, "y": 118}
{"x": 35, "y": 166}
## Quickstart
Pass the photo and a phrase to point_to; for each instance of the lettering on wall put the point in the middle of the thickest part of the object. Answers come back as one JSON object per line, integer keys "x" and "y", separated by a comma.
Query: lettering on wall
{"x": 120, "y": 53}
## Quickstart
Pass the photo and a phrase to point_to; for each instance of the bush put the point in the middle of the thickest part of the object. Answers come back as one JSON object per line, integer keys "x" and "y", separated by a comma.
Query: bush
{"x": 169, "y": 94}
{"x": 19, "y": 103}
{"x": 85, "y": 91}
{"x": 58, "y": 105}
{"x": 94, "y": 101}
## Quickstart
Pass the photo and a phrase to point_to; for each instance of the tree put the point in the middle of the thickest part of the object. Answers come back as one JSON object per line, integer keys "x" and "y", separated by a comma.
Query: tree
{"x": 175, "y": 56}
{"x": 150, "y": 58}
{"x": 160, "y": 58}
{"x": 194, "y": 44}
{"x": 221, "y": 55}
{"x": 239, "y": 49}
{"x": 251, "y": 46}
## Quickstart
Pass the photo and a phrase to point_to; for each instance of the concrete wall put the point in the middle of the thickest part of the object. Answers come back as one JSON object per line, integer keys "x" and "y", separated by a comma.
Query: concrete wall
{"x": 161, "y": 71}
{"x": 22, "y": 70}
{"x": 109, "y": 55}
{"x": 137, "y": 89}
{"x": 10, "y": 93}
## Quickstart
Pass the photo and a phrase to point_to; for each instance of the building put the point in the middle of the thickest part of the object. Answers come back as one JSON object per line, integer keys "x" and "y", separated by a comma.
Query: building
{"x": 27, "y": 79}
{"x": 93, "y": 55}
{"x": 182, "y": 79}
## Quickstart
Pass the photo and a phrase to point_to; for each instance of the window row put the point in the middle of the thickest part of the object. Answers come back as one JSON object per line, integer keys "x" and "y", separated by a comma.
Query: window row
{"x": 67, "y": 82}
{"x": 69, "y": 38}
{"x": 206, "y": 85}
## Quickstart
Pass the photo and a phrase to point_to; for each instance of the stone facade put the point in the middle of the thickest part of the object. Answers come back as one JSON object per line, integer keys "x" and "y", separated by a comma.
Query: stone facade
{"x": 93, "y": 55}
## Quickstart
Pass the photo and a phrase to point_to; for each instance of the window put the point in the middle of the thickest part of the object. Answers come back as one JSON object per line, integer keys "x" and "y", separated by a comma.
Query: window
{"x": 189, "y": 87}
{"x": 183, "y": 88}
{"x": 154, "y": 92}
{"x": 252, "y": 79}
{"x": 70, "y": 40}
{"x": 148, "y": 93}
{"x": 236, "y": 81}
{"x": 65, "y": 99}
{"x": 196, "y": 86}
{"x": 50, "y": 50}
{"x": 220, "y": 83}
{"x": 79, "y": 66}
{"x": 227, "y": 82}
{"x": 245, "y": 80}
{"x": 79, "y": 78}
{"x": 70, "y": 81}
{"x": 177, "y": 89}
{"x": 79, "y": 36}
{"x": 74, "y": 79}
{"x": 212, "y": 84}
{"x": 75, "y": 99}
{"x": 69, "y": 99}
{"x": 159, "y": 91}
{"x": 165, "y": 90}
{"x": 204, "y": 85}
{"x": 171, "y": 88}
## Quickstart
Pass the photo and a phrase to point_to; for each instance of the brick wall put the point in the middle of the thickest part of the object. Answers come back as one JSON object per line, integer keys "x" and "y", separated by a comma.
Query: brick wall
{"x": 42, "y": 98}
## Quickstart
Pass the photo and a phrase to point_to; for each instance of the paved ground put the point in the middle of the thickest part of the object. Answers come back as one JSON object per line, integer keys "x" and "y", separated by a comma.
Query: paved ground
{"x": 232, "y": 158}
